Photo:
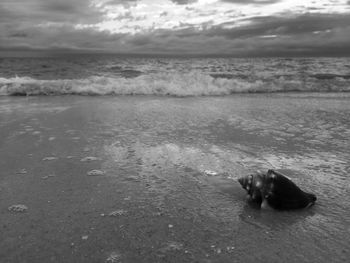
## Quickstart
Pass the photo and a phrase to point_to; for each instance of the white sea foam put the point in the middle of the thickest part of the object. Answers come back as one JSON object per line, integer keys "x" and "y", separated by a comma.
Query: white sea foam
{"x": 173, "y": 84}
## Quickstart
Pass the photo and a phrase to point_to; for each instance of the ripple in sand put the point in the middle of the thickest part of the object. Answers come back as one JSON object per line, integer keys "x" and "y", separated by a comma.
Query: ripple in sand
{"x": 114, "y": 257}
{"x": 215, "y": 249}
{"x": 50, "y": 158}
{"x": 48, "y": 176}
{"x": 71, "y": 131}
{"x": 96, "y": 173}
{"x": 171, "y": 246}
{"x": 36, "y": 133}
{"x": 90, "y": 159}
{"x": 106, "y": 133}
{"x": 230, "y": 249}
{"x": 119, "y": 212}
{"x": 18, "y": 208}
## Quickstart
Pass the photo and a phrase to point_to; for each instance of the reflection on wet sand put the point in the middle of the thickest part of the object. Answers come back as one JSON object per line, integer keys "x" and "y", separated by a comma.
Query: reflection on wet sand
{"x": 147, "y": 179}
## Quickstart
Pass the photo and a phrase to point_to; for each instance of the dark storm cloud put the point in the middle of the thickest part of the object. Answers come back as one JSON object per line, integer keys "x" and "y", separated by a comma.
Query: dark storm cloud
{"x": 197, "y": 42}
{"x": 140, "y": 40}
{"x": 273, "y": 25}
{"x": 317, "y": 34}
{"x": 52, "y": 25}
{"x": 26, "y": 23}
{"x": 63, "y": 37}
{"x": 185, "y": 41}
{"x": 331, "y": 43}
{"x": 34, "y": 11}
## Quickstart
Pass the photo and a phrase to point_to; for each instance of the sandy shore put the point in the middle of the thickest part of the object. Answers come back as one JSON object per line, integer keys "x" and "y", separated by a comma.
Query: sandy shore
{"x": 167, "y": 189}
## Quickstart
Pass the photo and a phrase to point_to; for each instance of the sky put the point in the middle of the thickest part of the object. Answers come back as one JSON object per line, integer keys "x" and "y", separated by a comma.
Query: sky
{"x": 203, "y": 27}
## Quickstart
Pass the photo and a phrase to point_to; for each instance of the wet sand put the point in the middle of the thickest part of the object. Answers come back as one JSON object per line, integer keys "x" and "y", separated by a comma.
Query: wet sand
{"x": 167, "y": 190}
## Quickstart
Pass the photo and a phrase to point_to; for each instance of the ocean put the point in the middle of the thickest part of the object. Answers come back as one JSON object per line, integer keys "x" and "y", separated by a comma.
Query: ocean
{"x": 112, "y": 75}
{"x": 142, "y": 166}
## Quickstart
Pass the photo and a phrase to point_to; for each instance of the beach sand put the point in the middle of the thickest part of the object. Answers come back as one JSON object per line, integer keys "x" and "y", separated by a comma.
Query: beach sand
{"x": 167, "y": 189}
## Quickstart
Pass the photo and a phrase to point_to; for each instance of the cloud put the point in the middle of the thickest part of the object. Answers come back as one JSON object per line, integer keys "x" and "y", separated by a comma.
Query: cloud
{"x": 36, "y": 11}
{"x": 184, "y": 41}
{"x": 76, "y": 26}
{"x": 309, "y": 34}
{"x": 277, "y": 25}
{"x": 192, "y": 41}
{"x": 62, "y": 37}
{"x": 125, "y": 3}
{"x": 184, "y": 2}
{"x": 23, "y": 22}
{"x": 256, "y": 2}
{"x": 164, "y": 13}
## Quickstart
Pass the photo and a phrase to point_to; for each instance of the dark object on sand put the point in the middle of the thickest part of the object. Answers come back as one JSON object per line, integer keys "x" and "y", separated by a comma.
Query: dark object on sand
{"x": 275, "y": 190}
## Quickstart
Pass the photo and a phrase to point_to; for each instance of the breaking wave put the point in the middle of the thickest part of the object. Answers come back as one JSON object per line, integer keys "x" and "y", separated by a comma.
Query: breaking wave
{"x": 165, "y": 84}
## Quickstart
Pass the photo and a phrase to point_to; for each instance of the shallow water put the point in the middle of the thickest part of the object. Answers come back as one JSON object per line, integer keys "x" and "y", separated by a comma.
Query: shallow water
{"x": 169, "y": 192}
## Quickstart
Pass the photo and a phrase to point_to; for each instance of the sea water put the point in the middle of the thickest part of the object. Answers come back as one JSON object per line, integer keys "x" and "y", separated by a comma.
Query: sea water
{"x": 112, "y": 75}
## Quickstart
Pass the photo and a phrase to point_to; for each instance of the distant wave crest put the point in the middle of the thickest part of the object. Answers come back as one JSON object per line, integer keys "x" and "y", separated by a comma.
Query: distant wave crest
{"x": 163, "y": 84}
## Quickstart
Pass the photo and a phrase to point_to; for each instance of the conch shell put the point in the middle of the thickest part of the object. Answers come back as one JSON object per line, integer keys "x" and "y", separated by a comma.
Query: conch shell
{"x": 275, "y": 190}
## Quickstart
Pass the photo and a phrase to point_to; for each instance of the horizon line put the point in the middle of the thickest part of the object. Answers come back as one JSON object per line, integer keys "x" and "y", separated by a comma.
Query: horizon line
{"x": 15, "y": 53}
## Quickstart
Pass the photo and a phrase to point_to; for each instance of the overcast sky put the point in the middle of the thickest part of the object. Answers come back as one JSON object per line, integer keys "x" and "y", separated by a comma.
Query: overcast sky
{"x": 235, "y": 27}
